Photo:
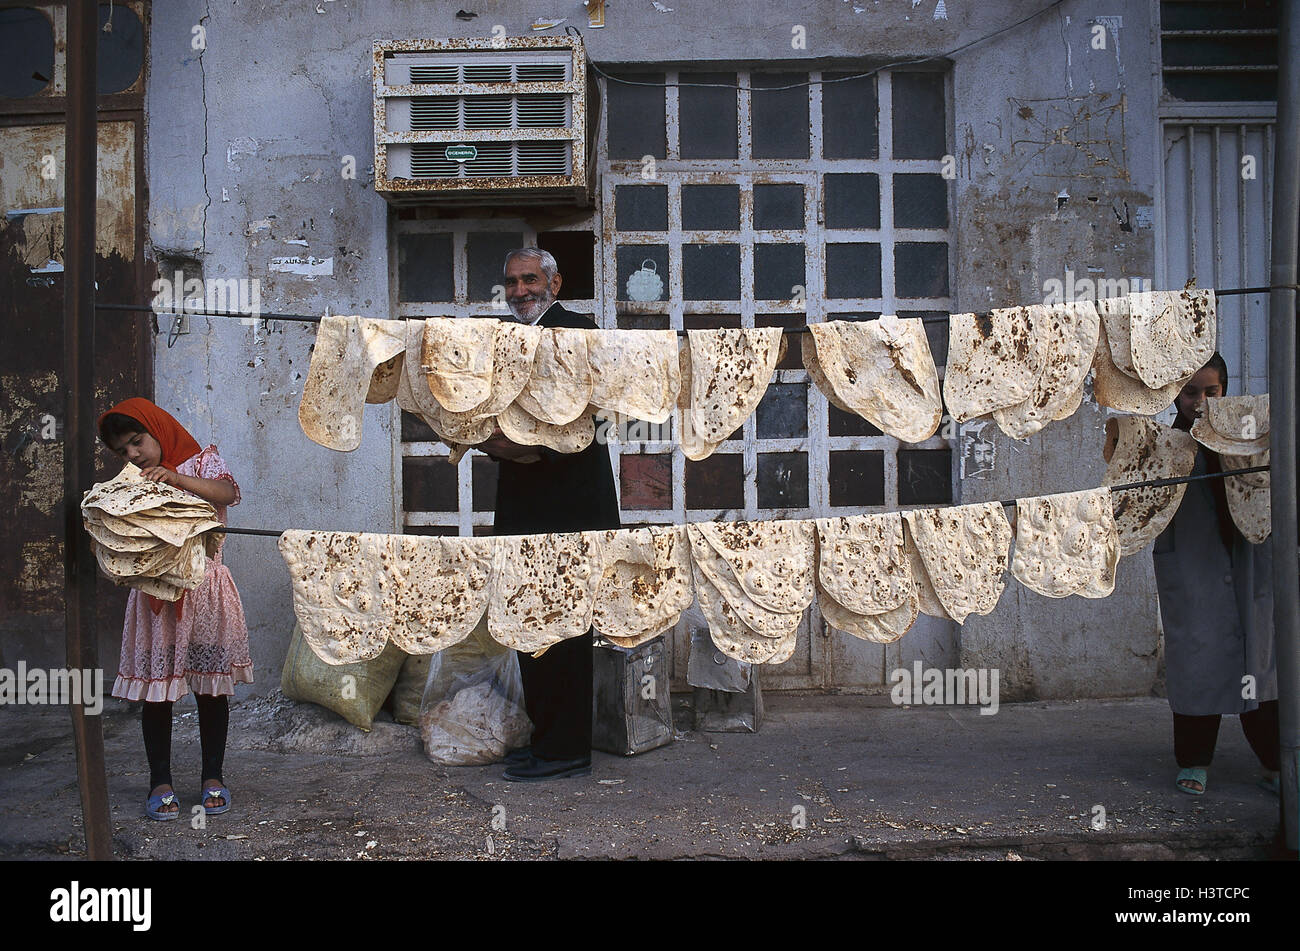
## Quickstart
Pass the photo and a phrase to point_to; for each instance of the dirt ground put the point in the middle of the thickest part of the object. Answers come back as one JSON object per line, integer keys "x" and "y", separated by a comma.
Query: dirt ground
{"x": 826, "y": 777}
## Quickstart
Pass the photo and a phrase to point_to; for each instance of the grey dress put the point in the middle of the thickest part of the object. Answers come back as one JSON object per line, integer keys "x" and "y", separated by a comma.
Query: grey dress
{"x": 1217, "y": 610}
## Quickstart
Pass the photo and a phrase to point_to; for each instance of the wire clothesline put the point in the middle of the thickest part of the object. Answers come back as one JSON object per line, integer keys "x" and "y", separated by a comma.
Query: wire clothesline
{"x": 1150, "y": 483}
{"x": 315, "y": 319}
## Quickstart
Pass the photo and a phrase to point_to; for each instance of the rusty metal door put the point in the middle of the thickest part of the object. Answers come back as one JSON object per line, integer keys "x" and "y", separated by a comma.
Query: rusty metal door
{"x": 31, "y": 302}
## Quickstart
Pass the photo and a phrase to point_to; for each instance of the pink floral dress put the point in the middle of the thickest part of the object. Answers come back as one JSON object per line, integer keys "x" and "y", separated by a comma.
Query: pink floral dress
{"x": 204, "y": 650}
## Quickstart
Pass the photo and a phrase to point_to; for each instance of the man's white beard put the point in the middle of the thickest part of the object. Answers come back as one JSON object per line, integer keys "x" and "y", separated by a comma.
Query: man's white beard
{"x": 535, "y": 308}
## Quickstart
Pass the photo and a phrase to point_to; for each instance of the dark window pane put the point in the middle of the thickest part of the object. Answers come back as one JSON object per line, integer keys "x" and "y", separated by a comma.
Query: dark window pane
{"x": 924, "y": 476}
{"x": 793, "y": 359}
{"x": 849, "y": 117}
{"x": 711, "y": 271}
{"x": 414, "y": 429}
{"x": 852, "y": 201}
{"x": 487, "y": 251}
{"x": 26, "y": 52}
{"x": 636, "y": 117}
{"x": 710, "y": 207}
{"x": 632, "y": 260}
{"x": 717, "y": 482}
{"x": 920, "y": 201}
{"x": 575, "y": 254}
{"x": 782, "y": 480}
{"x": 483, "y": 488}
{"x": 840, "y": 423}
{"x": 920, "y": 128}
{"x": 783, "y": 412}
{"x": 707, "y": 116}
{"x": 430, "y": 530}
{"x": 429, "y": 484}
{"x": 852, "y": 270}
{"x": 778, "y": 270}
{"x": 709, "y": 321}
{"x": 643, "y": 321}
{"x": 921, "y": 269}
{"x": 936, "y": 332}
{"x": 121, "y": 49}
{"x": 424, "y": 267}
{"x": 857, "y": 478}
{"x": 780, "y": 116}
{"x": 778, "y": 207}
{"x": 641, "y": 207}
{"x": 646, "y": 481}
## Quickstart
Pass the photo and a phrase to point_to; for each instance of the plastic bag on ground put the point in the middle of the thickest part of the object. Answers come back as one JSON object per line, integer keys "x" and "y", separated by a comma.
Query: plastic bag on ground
{"x": 473, "y": 707}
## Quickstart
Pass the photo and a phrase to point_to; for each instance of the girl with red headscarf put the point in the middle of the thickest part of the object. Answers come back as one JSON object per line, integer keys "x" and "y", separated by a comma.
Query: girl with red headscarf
{"x": 198, "y": 644}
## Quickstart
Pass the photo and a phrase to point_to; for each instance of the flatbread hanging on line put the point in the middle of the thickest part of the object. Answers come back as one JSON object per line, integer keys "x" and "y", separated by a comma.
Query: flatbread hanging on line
{"x": 635, "y": 373}
{"x": 883, "y": 628}
{"x": 414, "y": 396}
{"x": 348, "y": 350}
{"x": 993, "y": 361}
{"x": 1234, "y": 425}
{"x": 812, "y": 363}
{"x": 783, "y": 591}
{"x": 646, "y": 584}
{"x": 1071, "y": 330}
{"x": 1067, "y": 544}
{"x": 883, "y": 370}
{"x": 927, "y": 600}
{"x": 862, "y": 562}
{"x": 456, "y": 356}
{"x": 964, "y": 550}
{"x": 1118, "y": 390}
{"x": 730, "y": 635}
{"x": 520, "y": 427}
{"x": 543, "y": 588}
{"x": 1249, "y": 496}
{"x": 725, "y": 373}
{"x": 1172, "y": 334}
{"x": 1141, "y": 450}
{"x": 439, "y": 589}
{"x": 1116, "y": 315}
{"x": 342, "y": 596}
{"x": 559, "y": 389}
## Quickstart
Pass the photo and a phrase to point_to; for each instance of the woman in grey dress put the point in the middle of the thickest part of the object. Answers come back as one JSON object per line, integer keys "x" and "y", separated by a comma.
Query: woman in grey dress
{"x": 1216, "y": 602}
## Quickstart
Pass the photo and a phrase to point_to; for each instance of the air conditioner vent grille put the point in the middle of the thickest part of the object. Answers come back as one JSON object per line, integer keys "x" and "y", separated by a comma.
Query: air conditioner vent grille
{"x": 494, "y": 160}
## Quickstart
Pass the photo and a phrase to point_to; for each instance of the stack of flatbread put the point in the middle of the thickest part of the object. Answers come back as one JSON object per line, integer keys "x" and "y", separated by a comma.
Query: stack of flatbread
{"x": 645, "y": 586}
{"x": 149, "y": 535}
{"x": 880, "y": 369}
{"x": 352, "y": 592}
{"x": 1070, "y": 331}
{"x": 1150, "y": 345}
{"x": 1067, "y": 544}
{"x": 864, "y": 579}
{"x": 958, "y": 556}
{"x": 1139, "y": 449}
{"x": 724, "y": 374}
{"x": 753, "y": 581}
{"x": 355, "y": 361}
{"x": 1237, "y": 428}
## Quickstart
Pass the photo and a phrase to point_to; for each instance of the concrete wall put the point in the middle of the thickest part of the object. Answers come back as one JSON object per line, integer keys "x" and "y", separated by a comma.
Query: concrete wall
{"x": 245, "y": 144}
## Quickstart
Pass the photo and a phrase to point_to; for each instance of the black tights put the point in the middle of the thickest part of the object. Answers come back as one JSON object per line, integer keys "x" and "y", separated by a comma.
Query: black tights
{"x": 1195, "y": 736}
{"x": 156, "y": 721}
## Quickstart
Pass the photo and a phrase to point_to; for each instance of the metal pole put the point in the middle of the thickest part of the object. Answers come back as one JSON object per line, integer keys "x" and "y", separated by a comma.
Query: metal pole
{"x": 1282, "y": 390}
{"x": 79, "y": 395}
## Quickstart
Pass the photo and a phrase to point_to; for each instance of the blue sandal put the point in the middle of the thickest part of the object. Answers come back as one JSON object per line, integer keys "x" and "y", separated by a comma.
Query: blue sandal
{"x": 215, "y": 792}
{"x": 153, "y": 806}
{"x": 1193, "y": 774}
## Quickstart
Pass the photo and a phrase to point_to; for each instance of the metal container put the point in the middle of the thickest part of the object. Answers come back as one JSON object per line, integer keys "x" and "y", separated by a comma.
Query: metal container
{"x": 631, "y": 701}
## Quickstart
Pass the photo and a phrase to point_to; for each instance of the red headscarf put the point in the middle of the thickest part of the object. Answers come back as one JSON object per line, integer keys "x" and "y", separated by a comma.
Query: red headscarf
{"x": 174, "y": 439}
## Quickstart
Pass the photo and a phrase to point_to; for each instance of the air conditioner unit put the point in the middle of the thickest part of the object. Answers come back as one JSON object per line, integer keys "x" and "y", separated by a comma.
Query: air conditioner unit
{"x": 484, "y": 121}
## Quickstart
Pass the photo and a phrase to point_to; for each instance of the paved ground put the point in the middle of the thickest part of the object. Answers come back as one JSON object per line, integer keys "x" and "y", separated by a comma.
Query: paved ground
{"x": 871, "y": 780}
